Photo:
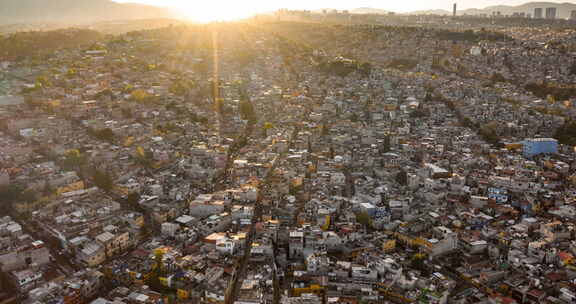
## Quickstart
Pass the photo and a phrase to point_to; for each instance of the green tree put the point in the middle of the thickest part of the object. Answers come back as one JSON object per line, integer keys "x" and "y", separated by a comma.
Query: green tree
{"x": 128, "y": 88}
{"x": 133, "y": 198}
{"x": 10, "y": 193}
{"x": 144, "y": 232}
{"x": 418, "y": 262}
{"x": 126, "y": 112}
{"x": 106, "y": 134}
{"x": 31, "y": 102}
{"x": 181, "y": 87}
{"x": 47, "y": 190}
{"x": 386, "y": 144}
{"x": 140, "y": 95}
{"x": 219, "y": 105}
{"x": 489, "y": 134}
{"x": 366, "y": 69}
{"x": 332, "y": 152}
{"x": 144, "y": 157}
{"x": 566, "y": 134}
{"x": 104, "y": 93}
{"x": 354, "y": 117}
{"x": 402, "y": 177}
{"x": 73, "y": 159}
{"x": 71, "y": 73}
{"x": 497, "y": 77}
{"x": 573, "y": 68}
{"x": 157, "y": 272}
{"x": 267, "y": 126}
{"x": 364, "y": 219}
{"x": 247, "y": 110}
{"x": 28, "y": 196}
{"x": 103, "y": 180}
{"x": 325, "y": 130}
{"x": 43, "y": 82}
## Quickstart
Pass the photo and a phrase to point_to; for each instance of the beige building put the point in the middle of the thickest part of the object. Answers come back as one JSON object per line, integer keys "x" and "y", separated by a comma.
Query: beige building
{"x": 113, "y": 243}
{"x": 92, "y": 254}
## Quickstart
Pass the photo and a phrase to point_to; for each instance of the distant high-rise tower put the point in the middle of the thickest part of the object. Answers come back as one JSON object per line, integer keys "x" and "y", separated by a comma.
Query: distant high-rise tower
{"x": 454, "y": 10}
{"x": 573, "y": 15}
{"x": 550, "y": 13}
{"x": 538, "y": 13}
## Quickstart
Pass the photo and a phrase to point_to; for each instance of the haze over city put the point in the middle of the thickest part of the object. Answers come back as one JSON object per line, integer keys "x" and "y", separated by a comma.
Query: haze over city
{"x": 260, "y": 6}
{"x": 298, "y": 152}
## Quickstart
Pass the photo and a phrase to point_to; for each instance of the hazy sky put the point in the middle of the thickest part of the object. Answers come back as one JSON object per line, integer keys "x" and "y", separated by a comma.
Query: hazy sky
{"x": 244, "y": 6}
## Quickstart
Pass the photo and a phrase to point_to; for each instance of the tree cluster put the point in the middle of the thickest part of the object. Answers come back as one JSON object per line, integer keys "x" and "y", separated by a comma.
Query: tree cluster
{"x": 103, "y": 180}
{"x": 343, "y": 67}
{"x": 12, "y": 193}
{"x": 247, "y": 111}
{"x": 168, "y": 127}
{"x": 73, "y": 160}
{"x": 542, "y": 90}
{"x": 489, "y": 135}
{"x": 364, "y": 219}
{"x": 181, "y": 87}
{"x": 471, "y": 36}
{"x": 402, "y": 64}
{"x": 402, "y": 178}
{"x": 566, "y": 134}
{"x": 105, "y": 134}
{"x": 21, "y": 45}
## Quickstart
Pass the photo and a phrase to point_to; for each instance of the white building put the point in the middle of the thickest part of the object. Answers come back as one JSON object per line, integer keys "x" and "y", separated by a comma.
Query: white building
{"x": 337, "y": 178}
{"x": 445, "y": 241}
{"x": 226, "y": 245}
{"x": 169, "y": 229}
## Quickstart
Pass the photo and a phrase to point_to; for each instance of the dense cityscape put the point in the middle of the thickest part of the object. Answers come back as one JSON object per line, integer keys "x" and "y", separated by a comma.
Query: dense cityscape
{"x": 297, "y": 158}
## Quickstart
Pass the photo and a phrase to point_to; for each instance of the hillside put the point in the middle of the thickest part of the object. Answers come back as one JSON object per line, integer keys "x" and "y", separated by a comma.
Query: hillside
{"x": 22, "y": 45}
{"x": 74, "y": 11}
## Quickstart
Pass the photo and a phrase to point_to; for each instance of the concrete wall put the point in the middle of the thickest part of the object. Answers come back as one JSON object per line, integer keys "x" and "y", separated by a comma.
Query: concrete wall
{"x": 17, "y": 260}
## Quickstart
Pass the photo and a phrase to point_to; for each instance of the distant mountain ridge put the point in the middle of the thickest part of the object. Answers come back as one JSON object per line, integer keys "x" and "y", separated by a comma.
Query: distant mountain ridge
{"x": 75, "y": 11}
{"x": 563, "y": 9}
{"x": 90, "y": 11}
{"x": 369, "y": 10}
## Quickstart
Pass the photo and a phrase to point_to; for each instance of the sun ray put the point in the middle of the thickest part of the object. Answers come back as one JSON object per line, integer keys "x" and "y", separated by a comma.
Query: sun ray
{"x": 214, "y": 11}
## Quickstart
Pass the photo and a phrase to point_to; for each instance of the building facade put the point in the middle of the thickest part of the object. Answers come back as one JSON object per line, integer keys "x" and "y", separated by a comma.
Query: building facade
{"x": 538, "y": 13}
{"x": 550, "y": 13}
{"x": 536, "y": 146}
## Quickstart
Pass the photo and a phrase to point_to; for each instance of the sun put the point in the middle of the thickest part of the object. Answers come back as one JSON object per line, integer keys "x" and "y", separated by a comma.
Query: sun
{"x": 213, "y": 10}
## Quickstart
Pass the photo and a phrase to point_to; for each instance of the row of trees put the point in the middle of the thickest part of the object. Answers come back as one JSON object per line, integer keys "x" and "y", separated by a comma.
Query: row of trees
{"x": 103, "y": 180}
{"x": 77, "y": 161}
{"x": 403, "y": 64}
{"x": 12, "y": 193}
{"x": 105, "y": 134}
{"x": 470, "y": 35}
{"x": 558, "y": 92}
{"x": 343, "y": 67}
{"x": 487, "y": 132}
{"x": 245, "y": 107}
{"x": 22, "y": 45}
